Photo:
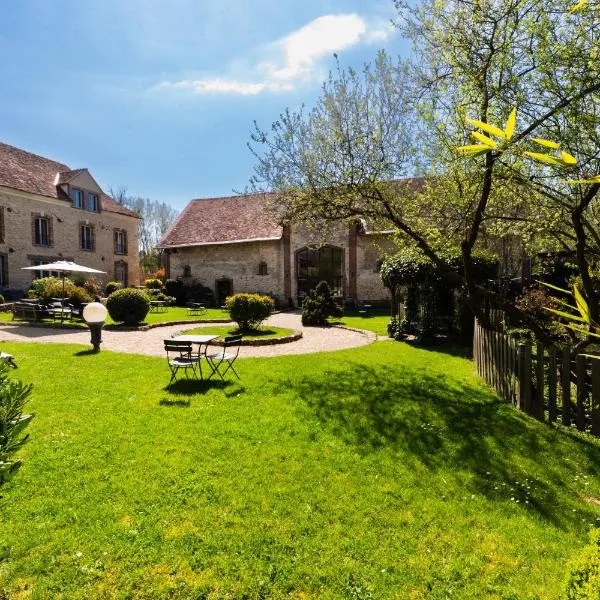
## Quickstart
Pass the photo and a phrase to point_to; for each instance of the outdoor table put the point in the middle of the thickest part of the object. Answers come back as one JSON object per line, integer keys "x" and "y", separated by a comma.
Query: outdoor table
{"x": 158, "y": 306}
{"x": 196, "y": 309}
{"x": 62, "y": 313}
{"x": 201, "y": 340}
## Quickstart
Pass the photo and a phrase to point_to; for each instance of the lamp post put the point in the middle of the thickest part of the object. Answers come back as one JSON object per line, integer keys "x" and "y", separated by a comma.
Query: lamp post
{"x": 94, "y": 315}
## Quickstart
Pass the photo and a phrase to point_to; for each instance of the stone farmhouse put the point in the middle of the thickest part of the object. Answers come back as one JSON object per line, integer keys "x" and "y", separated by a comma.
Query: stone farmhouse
{"x": 235, "y": 244}
{"x": 50, "y": 212}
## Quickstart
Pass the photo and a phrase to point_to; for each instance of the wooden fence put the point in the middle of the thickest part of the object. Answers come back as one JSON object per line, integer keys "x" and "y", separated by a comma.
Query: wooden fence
{"x": 545, "y": 382}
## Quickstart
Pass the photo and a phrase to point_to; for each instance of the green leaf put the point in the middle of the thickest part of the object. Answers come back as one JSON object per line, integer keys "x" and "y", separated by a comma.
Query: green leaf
{"x": 492, "y": 129}
{"x": 545, "y": 158}
{"x": 566, "y": 315}
{"x": 545, "y": 143}
{"x": 482, "y": 138}
{"x": 582, "y": 305}
{"x": 568, "y": 159}
{"x": 473, "y": 150}
{"x": 554, "y": 287}
{"x": 510, "y": 124}
{"x": 595, "y": 179}
{"x": 578, "y": 6}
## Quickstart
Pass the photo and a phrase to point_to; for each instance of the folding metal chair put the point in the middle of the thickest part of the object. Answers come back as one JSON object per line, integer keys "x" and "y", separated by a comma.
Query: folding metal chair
{"x": 181, "y": 356}
{"x": 222, "y": 362}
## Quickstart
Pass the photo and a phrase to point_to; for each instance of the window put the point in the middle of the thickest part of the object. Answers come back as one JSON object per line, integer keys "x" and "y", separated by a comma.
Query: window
{"x": 42, "y": 231}
{"x": 262, "y": 268}
{"x": 187, "y": 271}
{"x": 86, "y": 236}
{"x": 120, "y": 241}
{"x": 121, "y": 273}
{"x": 77, "y": 198}
{"x": 43, "y": 261}
{"x": 3, "y": 270}
{"x": 92, "y": 202}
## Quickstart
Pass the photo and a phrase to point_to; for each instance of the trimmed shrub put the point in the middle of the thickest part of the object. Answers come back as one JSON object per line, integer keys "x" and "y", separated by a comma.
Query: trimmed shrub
{"x": 112, "y": 286}
{"x": 13, "y": 396}
{"x": 129, "y": 306}
{"x": 583, "y": 576}
{"x": 154, "y": 284}
{"x": 319, "y": 305}
{"x": 249, "y": 310}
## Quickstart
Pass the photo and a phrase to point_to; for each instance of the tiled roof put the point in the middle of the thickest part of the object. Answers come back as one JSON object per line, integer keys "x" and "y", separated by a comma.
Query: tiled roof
{"x": 221, "y": 221}
{"x": 27, "y": 172}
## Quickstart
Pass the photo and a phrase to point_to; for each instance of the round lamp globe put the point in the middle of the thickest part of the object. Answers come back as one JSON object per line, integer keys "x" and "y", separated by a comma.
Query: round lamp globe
{"x": 94, "y": 312}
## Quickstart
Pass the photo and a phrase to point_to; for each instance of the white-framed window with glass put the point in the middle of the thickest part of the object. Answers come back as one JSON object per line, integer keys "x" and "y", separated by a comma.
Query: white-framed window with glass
{"x": 41, "y": 231}
{"x": 121, "y": 272}
{"x": 39, "y": 274}
{"x": 77, "y": 198}
{"x": 86, "y": 236}
{"x": 92, "y": 202}
{"x": 120, "y": 241}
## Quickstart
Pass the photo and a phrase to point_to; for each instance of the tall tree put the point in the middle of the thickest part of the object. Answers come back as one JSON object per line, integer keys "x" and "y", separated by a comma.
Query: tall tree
{"x": 157, "y": 217}
{"x": 472, "y": 58}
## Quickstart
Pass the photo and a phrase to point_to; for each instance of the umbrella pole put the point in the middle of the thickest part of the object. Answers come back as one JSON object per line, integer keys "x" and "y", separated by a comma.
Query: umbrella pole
{"x": 62, "y": 302}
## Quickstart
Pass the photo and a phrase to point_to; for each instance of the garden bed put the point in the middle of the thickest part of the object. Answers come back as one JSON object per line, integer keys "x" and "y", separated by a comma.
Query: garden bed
{"x": 266, "y": 336}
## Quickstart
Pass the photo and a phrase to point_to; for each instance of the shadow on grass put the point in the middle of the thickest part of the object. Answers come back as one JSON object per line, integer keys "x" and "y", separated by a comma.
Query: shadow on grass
{"x": 448, "y": 424}
{"x": 88, "y": 352}
{"x": 189, "y": 387}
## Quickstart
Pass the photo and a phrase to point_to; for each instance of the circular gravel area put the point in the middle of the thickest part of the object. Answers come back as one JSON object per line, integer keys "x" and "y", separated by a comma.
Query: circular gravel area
{"x": 314, "y": 339}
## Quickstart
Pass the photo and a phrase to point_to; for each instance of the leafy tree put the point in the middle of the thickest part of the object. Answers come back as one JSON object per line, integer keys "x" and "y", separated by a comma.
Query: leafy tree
{"x": 475, "y": 60}
{"x": 157, "y": 217}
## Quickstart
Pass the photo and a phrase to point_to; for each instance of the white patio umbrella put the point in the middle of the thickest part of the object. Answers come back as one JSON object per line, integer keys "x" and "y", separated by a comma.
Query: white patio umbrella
{"x": 63, "y": 266}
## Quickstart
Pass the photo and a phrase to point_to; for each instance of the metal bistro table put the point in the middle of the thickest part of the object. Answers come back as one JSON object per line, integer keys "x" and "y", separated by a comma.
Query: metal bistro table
{"x": 158, "y": 306}
{"x": 201, "y": 340}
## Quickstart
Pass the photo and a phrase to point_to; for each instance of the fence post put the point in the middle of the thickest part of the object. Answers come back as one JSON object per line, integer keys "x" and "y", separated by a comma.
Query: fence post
{"x": 552, "y": 384}
{"x": 524, "y": 357}
{"x": 596, "y": 396}
{"x": 566, "y": 387}
{"x": 538, "y": 401}
{"x": 581, "y": 373}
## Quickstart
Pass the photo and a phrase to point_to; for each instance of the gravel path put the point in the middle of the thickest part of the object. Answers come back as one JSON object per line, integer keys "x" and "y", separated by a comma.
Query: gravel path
{"x": 314, "y": 339}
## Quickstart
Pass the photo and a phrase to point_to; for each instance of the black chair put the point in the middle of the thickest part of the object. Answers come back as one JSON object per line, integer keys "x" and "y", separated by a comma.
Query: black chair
{"x": 181, "y": 356}
{"x": 222, "y": 362}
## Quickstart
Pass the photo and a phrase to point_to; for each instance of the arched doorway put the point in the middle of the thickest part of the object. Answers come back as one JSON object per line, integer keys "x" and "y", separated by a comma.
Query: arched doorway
{"x": 320, "y": 264}
{"x": 223, "y": 288}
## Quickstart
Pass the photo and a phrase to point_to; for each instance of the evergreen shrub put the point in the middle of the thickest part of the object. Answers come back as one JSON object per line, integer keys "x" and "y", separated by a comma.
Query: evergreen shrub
{"x": 249, "y": 310}
{"x": 319, "y": 305}
{"x": 129, "y": 306}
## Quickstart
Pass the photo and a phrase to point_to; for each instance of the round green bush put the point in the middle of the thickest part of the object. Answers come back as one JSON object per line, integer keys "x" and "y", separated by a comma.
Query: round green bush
{"x": 249, "y": 310}
{"x": 112, "y": 286}
{"x": 583, "y": 576}
{"x": 129, "y": 306}
{"x": 154, "y": 284}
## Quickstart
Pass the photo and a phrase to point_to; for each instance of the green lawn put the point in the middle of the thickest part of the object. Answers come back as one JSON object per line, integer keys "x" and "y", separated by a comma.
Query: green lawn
{"x": 173, "y": 313}
{"x": 374, "y": 320}
{"x": 264, "y": 333}
{"x": 380, "y": 472}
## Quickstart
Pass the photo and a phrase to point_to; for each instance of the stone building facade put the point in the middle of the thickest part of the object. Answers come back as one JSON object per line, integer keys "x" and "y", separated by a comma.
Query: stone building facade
{"x": 235, "y": 244}
{"x": 50, "y": 212}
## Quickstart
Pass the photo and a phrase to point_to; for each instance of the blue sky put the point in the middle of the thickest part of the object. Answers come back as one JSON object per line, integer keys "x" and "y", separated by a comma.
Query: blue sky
{"x": 160, "y": 95}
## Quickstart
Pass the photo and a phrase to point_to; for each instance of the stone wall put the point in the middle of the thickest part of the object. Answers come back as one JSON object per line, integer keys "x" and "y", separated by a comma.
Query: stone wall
{"x": 239, "y": 262}
{"x": 17, "y": 244}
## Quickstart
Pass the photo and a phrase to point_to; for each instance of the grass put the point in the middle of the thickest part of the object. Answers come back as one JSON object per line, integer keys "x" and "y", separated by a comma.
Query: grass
{"x": 266, "y": 332}
{"x": 173, "y": 313}
{"x": 375, "y": 320}
{"x": 380, "y": 472}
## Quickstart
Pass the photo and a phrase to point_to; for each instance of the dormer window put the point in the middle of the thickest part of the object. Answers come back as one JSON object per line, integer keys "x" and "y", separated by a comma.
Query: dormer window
{"x": 92, "y": 202}
{"x": 77, "y": 198}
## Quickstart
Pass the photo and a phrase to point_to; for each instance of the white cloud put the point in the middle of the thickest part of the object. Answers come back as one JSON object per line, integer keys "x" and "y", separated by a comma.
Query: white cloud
{"x": 295, "y": 59}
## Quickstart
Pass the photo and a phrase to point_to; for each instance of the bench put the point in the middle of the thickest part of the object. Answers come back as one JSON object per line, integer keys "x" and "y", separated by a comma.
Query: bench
{"x": 29, "y": 311}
